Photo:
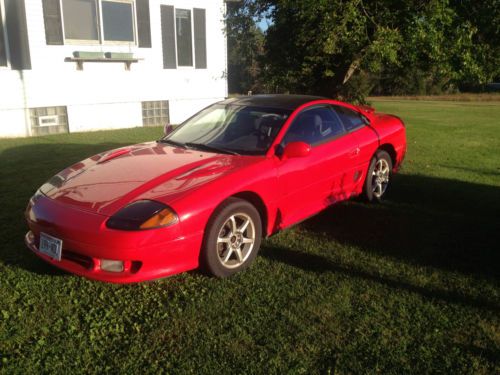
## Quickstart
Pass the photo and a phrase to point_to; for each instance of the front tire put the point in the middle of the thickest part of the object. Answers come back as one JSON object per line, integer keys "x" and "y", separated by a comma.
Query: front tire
{"x": 232, "y": 238}
{"x": 378, "y": 177}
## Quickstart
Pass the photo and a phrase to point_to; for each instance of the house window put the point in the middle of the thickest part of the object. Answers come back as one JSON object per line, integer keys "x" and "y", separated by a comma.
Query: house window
{"x": 184, "y": 37}
{"x": 155, "y": 113}
{"x": 80, "y": 19}
{"x": 118, "y": 23}
{"x": 49, "y": 120}
{"x": 99, "y": 21}
{"x": 3, "y": 50}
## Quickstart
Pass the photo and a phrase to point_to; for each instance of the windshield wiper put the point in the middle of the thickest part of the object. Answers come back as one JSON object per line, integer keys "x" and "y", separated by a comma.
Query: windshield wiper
{"x": 201, "y": 146}
{"x": 173, "y": 143}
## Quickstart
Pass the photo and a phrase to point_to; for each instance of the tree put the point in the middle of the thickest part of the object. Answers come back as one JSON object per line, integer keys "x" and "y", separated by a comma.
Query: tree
{"x": 245, "y": 47}
{"x": 444, "y": 51}
{"x": 318, "y": 46}
{"x": 483, "y": 19}
{"x": 347, "y": 48}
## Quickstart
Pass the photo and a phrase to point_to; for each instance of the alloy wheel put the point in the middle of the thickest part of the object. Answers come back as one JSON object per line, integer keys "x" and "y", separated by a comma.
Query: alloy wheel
{"x": 380, "y": 177}
{"x": 235, "y": 240}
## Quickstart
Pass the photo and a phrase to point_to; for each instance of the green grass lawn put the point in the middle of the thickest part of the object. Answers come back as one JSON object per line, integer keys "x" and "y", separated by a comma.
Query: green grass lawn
{"x": 409, "y": 286}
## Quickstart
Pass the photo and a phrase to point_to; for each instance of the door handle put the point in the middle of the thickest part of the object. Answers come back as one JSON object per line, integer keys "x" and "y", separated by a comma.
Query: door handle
{"x": 354, "y": 152}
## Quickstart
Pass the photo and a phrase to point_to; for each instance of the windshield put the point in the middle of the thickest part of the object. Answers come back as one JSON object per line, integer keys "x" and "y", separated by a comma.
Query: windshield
{"x": 231, "y": 129}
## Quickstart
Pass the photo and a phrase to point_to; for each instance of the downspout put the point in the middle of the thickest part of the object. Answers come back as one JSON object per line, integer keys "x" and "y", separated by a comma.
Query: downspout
{"x": 27, "y": 116}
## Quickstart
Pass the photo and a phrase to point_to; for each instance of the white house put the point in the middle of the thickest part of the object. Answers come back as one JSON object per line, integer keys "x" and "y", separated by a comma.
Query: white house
{"x": 76, "y": 65}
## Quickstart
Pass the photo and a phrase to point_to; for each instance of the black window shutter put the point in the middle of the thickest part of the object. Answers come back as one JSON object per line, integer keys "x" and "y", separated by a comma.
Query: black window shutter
{"x": 143, "y": 23}
{"x": 200, "y": 38}
{"x": 3, "y": 47}
{"x": 53, "y": 24}
{"x": 168, "y": 36}
{"x": 17, "y": 35}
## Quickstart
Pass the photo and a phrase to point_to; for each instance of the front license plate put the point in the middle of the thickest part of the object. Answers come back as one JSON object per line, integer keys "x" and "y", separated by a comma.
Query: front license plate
{"x": 50, "y": 246}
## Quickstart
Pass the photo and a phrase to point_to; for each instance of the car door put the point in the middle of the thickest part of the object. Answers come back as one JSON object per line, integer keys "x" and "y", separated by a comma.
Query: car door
{"x": 309, "y": 184}
{"x": 366, "y": 137}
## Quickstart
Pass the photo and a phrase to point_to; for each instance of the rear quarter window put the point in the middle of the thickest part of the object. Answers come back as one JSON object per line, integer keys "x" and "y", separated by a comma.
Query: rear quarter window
{"x": 351, "y": 119}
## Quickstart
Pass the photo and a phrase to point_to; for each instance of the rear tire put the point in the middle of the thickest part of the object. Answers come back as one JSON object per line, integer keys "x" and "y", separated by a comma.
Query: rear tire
{"x": 378, "y": 177}
{"x": 232, "y": 238}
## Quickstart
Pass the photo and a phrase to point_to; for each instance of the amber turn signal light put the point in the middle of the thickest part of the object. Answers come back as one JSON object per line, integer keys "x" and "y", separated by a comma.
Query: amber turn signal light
{"x": 160, "y": 219}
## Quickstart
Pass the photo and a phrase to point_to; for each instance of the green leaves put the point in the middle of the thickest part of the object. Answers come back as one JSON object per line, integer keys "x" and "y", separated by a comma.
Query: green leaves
{"x": 348, "y": 48}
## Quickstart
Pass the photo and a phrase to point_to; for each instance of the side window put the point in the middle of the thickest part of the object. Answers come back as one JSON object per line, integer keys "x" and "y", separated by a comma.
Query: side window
{"x": 351, "y": 119}
{"x": 184, "y": 37}
{"x": 314, "y": 126}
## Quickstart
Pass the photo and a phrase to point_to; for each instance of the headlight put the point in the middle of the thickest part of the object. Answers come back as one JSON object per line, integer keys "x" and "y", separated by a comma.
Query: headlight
{"x": 142, "y": 215}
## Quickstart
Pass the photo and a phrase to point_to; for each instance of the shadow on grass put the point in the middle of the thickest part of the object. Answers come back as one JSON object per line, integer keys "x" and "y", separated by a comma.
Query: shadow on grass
{"x": 23, "y": 170}
{"x": 426, "y": 221}
{"x": 429, "y": 221}
{"x": 320, "y": 264}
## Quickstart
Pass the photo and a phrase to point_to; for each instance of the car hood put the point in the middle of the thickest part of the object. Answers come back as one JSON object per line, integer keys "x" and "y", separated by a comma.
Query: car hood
{"x": 106, "y": 182}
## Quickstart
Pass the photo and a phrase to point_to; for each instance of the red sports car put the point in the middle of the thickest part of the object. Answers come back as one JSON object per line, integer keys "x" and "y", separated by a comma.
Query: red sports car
{"x": 206, "y": 193}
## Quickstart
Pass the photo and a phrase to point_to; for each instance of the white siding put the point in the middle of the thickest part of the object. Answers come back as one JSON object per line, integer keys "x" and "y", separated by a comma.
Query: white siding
{"x": 105, "y": 95}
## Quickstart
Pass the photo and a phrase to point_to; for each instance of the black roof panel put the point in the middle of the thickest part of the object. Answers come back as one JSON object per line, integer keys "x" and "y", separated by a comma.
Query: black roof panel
{"x": 274, "y": 101}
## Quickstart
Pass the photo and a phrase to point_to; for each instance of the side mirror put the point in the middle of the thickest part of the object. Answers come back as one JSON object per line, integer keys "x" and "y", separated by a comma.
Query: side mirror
{"x": 296, "y": 150}
{"x": 168, "y": 128}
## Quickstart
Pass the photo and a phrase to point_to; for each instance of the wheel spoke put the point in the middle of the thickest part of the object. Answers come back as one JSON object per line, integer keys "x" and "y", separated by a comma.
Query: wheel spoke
{"x": 223, "y": 239}
{"x": 247, "y": 240}
{"x": 244, "y": 226}
{"x": 233, "y": 224}
{"x": 228, "y": 255}
{"x": 238, "y": 254}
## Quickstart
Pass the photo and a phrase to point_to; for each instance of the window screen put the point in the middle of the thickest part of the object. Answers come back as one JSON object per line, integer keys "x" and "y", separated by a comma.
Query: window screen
{"x": 118, "y": 24}
{"x": 184, "y": 37}
{"x": 351, "y": 119}
{"x": 3, "y": 54}
{"x": 53, "y": 22}
{"x": 80, "y": 19}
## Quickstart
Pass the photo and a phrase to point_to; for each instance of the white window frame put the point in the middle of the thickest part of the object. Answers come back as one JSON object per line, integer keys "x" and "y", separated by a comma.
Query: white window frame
{"x": 192, "y": 66}
{"x": 100, "y": 27}
{"x": 5, "y": 38}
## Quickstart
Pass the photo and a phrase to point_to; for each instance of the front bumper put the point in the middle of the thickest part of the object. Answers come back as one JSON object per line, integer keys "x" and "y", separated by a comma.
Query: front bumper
{"x": 147, "y": 255}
